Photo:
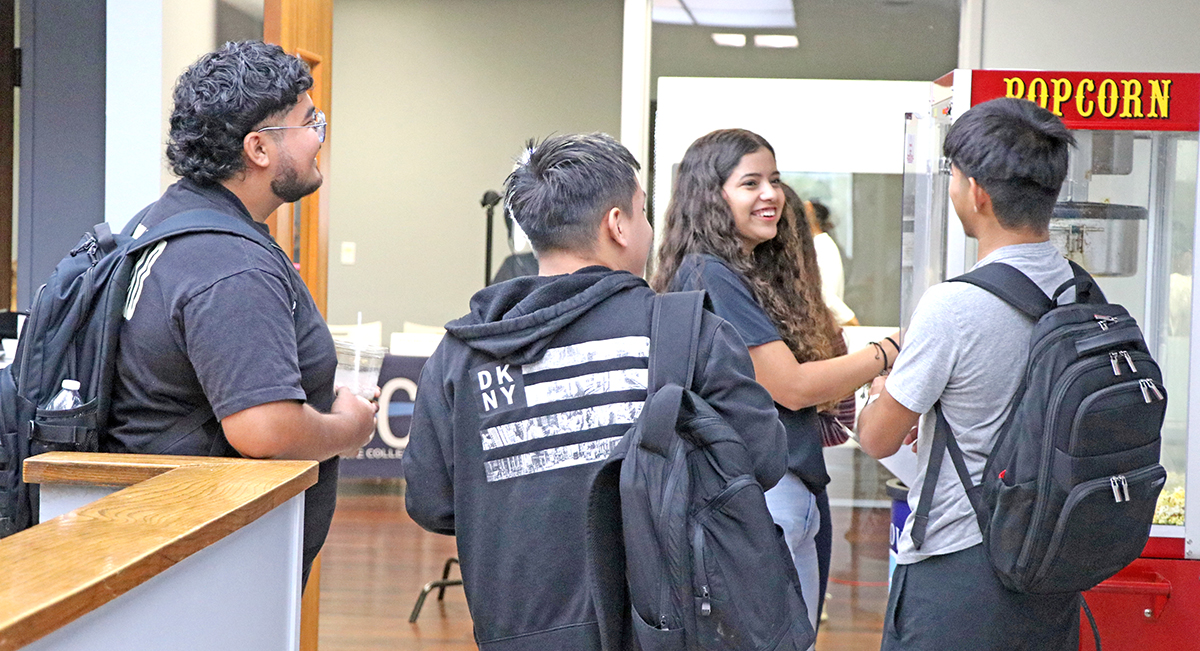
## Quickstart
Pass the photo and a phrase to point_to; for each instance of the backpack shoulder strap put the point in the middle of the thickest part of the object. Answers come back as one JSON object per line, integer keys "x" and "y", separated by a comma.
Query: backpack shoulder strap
{"x": 1086, "y": 288}
{"x": 203, "y": 220}
{"x": 1011, "y": 286}
{"x": 674, "y": 338}
{"x": 206, "y": 220}
{"x": 180, "y": 430}
{"x": 131, "y": 226}
{"x": 943, "y": 442}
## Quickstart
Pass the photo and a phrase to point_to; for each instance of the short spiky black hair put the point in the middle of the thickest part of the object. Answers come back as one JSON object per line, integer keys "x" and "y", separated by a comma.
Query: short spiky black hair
{"x": 564, "y": 185}
{"x": 1017, "y": 151}
{"x": 221, "y": 98}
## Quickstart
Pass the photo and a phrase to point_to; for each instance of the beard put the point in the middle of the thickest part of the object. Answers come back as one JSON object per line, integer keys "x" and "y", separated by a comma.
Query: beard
{"x": 288, "y": 185}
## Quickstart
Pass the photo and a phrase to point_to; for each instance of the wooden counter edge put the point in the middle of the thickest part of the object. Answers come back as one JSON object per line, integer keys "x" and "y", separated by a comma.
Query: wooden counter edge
{"x": 101, "y": 469}
{"x": 80, "y": 582}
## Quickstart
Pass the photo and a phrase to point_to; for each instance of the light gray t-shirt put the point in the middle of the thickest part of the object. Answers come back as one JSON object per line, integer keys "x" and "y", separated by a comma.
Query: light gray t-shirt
{"x": 968, "y": 349}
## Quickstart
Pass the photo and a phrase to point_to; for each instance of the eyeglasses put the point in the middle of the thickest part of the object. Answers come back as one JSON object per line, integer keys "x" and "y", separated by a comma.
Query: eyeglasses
{"x": 318, "y": 124}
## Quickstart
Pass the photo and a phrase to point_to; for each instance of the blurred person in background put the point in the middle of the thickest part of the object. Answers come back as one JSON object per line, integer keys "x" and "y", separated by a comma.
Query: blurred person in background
{"x": 829, "y": 259}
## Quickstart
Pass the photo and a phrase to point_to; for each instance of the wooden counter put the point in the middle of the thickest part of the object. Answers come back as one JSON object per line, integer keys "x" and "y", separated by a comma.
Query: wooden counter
{"x": 169, "y": 509}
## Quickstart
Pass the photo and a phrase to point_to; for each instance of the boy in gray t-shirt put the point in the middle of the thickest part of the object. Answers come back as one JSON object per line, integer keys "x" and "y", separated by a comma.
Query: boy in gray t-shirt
{"x": 967, "y": 349}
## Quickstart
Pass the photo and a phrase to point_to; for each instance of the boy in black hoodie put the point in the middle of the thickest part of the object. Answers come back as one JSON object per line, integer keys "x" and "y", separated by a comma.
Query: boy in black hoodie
{"x": 529, "y": 392}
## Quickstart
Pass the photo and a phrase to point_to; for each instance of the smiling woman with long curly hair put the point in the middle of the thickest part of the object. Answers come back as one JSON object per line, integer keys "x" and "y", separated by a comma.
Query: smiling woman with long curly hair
{"x": 729, "y": 231}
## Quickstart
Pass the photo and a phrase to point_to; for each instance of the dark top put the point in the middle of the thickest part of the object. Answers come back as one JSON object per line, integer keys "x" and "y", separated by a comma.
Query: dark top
{"x": 218, "y": 319}
{"x": 516, "y": 411}
{"x": 514, "y": 266}
{"x": 732, "y": 300}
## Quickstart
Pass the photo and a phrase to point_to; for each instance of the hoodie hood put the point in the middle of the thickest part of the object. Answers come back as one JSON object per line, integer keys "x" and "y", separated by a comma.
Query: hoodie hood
{"x": 517, "y": 319}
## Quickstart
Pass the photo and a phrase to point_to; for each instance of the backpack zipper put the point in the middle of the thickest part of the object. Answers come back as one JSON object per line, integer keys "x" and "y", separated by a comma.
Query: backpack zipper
{"x": 701, "y": 570}
{"x": 698, "y": 565}
{"x": 664, "y": 584}
{"x": 1127, "y": 385}
{"x": 1069, "y": 331}
{"x": 89, "y": 245}
{"x": 1119, "y": 484}
{"x": 1147, "y": 386}
{"x": 31, "y": 322}
{"x": 663, "y": 590}
{"x": 1114, "y": 358}
{"x": 1073, "y": 372}
{"x": 725, "y": 495}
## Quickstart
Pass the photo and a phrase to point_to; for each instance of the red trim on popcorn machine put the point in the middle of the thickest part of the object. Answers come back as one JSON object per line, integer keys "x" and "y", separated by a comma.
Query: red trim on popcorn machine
{"x": 1100, "y": 100}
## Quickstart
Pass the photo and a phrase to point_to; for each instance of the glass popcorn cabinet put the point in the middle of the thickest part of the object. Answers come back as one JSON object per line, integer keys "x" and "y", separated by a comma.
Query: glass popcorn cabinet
{"x": 1127, "y": 214}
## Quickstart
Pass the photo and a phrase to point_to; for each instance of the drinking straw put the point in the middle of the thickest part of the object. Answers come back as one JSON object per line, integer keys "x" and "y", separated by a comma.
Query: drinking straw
{"x": 357, "y": 345}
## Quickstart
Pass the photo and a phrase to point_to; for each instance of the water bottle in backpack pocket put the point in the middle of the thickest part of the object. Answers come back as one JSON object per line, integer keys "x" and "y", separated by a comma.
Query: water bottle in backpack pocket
{"x": 66, "y": 422}
{"x": 71, "y": 335}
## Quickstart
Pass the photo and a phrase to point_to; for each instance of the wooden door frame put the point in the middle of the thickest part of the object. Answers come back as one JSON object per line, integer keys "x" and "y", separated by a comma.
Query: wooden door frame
{"x": 282, "y": 25}
{"x": 305, "y": 28}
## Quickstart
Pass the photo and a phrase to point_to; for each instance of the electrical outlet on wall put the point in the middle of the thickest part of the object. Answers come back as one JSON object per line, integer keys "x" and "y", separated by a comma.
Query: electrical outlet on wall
{"x": 348, "y": 252}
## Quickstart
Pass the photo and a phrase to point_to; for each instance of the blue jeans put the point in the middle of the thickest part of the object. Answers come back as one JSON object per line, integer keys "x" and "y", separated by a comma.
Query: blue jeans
{"x": 794, "y": 508}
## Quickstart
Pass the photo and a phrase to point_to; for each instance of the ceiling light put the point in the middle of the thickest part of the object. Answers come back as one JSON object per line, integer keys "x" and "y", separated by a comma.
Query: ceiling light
{"x": 749, "y": 14}
{"x": 730, "y": 40}
{"x": 671, "y": 12}
{"x": 775, "y": 40}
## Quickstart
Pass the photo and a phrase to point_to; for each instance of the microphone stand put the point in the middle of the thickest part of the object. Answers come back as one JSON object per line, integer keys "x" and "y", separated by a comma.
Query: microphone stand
{"x": 489, "y": 201}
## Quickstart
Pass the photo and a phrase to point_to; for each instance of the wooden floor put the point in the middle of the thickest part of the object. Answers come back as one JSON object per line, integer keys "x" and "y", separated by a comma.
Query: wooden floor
{"x": 377, "y": 559}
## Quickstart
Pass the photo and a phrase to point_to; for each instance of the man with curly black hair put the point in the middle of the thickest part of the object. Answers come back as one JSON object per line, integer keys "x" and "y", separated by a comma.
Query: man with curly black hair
{"x": 220, "y": 331}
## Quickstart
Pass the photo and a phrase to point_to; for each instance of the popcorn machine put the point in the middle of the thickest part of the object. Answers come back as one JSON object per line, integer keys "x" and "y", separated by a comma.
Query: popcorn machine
{"x": 1127, "y": 213}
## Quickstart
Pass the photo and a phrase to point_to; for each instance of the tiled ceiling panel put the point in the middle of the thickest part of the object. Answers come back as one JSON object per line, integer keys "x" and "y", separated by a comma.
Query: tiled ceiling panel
{"x": 726, "y": 13}
{"x": 671, "y": 12}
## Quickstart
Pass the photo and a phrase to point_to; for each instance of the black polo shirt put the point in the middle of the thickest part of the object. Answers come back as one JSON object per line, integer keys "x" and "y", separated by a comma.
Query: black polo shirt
{"x": 217, "y": 319}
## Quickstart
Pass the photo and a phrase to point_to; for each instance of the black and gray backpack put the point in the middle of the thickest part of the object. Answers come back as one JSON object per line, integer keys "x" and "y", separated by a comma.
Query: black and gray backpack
{"x": 1069, "y": 490}
{"x": 72, "y": 333}
{"x": 683, "y": 553}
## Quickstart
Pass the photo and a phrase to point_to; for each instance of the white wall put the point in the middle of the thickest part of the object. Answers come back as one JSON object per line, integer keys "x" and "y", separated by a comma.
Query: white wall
{"x": 148, "y": 45}
{"x": 133, "y": 92}
{"x": 1112, "y": 35}
{"x": 432, "y": 102}
{"x": 189, "y": 29}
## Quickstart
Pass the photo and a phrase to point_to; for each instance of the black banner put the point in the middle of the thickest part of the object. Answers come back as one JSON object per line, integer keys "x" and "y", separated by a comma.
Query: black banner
{"x": 398, "y": 390}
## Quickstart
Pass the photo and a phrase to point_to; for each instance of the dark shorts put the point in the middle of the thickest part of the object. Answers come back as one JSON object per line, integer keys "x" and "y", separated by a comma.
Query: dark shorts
{"x": 955, "y": 602}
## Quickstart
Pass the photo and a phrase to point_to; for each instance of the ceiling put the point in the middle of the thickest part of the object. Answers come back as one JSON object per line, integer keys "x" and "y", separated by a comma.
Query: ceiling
{"x": 757, "y": 14}
{"x": 726, "y": 13}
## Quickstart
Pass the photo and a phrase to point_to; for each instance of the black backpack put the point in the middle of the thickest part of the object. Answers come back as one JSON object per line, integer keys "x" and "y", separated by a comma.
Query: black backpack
{"x": 1069, "y": 490}
{"x": 71, "y": 333}
{"x": 676, "y": 517}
